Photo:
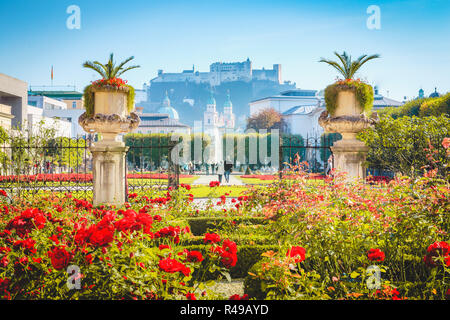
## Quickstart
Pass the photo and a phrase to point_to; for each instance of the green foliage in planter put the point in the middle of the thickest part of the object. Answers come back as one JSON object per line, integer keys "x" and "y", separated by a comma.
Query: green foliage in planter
{"x": 201, "y": 225}
{"x": 363, "y": 91}
{"x": 89, "y": 99}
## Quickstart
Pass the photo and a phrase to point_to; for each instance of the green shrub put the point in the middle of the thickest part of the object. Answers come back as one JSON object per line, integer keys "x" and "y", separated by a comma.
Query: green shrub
{"x": 254, "y": 286}
{"x": 201, "y": 225}
{"x": 401, "y": 145}
{"x": 247, "y": 256}
{"x": 436, "y": 106}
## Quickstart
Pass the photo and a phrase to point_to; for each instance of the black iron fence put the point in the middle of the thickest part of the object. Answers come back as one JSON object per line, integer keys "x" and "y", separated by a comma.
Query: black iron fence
{"x": 64, "y": 165}
{"x": 29, "y": 166}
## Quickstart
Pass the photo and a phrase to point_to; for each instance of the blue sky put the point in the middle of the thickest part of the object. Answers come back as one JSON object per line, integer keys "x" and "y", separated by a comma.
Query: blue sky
{"x": 414, "y": 39}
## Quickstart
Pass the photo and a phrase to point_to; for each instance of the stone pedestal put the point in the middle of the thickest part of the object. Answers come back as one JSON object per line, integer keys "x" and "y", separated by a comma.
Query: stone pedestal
{"x": 110, "y": 118}
{"x": 109, "y": 173}
{"x": 350, "y": 157}
{"x": 349, "y": 153}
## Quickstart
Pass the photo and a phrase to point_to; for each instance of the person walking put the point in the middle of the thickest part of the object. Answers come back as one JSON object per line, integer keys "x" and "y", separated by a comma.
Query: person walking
{"x": 228, "y": 167}
{"x": 329, "y": 165}
{"x": 220, "y": 170}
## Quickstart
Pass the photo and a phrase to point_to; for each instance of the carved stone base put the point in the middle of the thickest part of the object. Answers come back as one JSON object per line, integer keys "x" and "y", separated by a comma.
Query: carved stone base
{"x": 350, "y": 157}
{"x": 109, "y": 174}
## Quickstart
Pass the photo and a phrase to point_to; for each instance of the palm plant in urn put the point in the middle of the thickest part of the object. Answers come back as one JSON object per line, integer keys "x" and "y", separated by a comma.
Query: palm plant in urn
{"x": 348, "y": 101}
{"x": 109, "y": 101}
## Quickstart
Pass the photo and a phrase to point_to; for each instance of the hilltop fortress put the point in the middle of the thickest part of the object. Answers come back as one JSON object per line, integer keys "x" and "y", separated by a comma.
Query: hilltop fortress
{"x": 190, "y": 90}
{"x": 220, "y": 72}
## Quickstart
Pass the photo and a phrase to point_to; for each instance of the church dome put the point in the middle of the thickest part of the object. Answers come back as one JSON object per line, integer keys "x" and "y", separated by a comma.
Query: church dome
{"x": 173, "y": 114}
{"x": 435, "y": 94}
{"x": 166, "y": 108}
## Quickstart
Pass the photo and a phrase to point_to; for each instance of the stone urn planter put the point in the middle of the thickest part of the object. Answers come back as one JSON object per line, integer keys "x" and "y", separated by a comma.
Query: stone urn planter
{"x": 346, "y": 115}
{"x": 109, "y": 104}
{"x": 111, "y": 115}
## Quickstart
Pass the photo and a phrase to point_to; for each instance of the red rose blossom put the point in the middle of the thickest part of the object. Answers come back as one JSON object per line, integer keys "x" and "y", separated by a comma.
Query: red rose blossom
{"x": 59, "y": 257}
{"x": 296, "y": 252}
{"x": 375, "y": 255}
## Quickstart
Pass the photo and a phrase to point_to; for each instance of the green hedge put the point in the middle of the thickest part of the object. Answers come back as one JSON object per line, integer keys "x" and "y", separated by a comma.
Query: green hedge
{"x": 250, "y": 238}
{"x": 247, "y": 256}
{"x": 201, "y": 225}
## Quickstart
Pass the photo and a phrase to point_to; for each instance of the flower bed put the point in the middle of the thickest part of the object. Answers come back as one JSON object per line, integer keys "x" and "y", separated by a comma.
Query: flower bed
{"x": 78, "y": 177}
{"x": 289, "y": 240}
{"x": 274, "y": 177}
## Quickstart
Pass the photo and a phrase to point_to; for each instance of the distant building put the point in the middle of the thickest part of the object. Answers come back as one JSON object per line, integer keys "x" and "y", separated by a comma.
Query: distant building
{"x": 13, "y": 100}
{"x": 165, "y": 121}
{"x": 35, "y": 117}
{"x": 223, "y": 120}
{"x": 5, "y": 116}
{"x": 58, "y": 109}
{"x": 304, "y": 120}
{"x": 46, "y": 103}
{"x": 215, "y": 124}
{"x": 220, "y": 72}
{"x": 73, "y": 99}
{"x": 435, "y": 94}
{"x": 380, "y": 101}
{"x": 286, "y": 100}
{"x": 161, "y": 123}
{"x": 166, "y": 108}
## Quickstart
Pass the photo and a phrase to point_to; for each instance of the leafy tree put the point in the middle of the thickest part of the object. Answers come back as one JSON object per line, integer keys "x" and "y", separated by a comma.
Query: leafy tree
{"x": 66, "y": 152}
{"x": 4, "y": 140}
{"x": 28, "y": 148}
{"x": 421, "y": 107}
{"x": 346, "y": 66}
{"x": 266, "y": 119}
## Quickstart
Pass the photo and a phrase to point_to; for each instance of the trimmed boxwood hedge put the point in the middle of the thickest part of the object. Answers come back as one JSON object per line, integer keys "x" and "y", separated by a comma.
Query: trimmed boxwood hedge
{"x": 200, "y": 225}
{"x": 247, "y": 256}
{"x": 242, "y": 239}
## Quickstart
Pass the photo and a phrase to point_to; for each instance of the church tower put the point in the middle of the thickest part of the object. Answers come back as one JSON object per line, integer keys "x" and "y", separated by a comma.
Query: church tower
{"x": 213, "y": 153}
{"x": 228, "y": 115}
{"x": 211, "y": 116}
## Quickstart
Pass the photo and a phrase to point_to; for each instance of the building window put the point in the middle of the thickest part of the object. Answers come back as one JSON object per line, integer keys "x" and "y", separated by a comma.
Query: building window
{"x": 74, "y": 104}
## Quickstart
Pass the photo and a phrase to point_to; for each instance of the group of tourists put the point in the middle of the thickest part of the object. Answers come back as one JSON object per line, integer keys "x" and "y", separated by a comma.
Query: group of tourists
{"x": 222, "y": 169}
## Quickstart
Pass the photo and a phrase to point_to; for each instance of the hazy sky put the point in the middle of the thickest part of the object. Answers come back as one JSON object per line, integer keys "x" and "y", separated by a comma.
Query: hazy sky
{"x": 414, "y": 39}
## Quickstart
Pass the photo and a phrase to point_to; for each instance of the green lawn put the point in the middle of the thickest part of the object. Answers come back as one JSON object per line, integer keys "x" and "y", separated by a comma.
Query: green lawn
{"x": 206, "y": 191}
{"x": 255, "y": 181}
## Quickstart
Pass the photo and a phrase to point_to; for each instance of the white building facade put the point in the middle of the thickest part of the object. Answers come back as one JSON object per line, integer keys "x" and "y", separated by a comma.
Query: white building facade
{"x": 300, "y": 109}
{"x": 36, "y": 121}
{"x": 57, "y": 109}
{"x": 215, "y": 125}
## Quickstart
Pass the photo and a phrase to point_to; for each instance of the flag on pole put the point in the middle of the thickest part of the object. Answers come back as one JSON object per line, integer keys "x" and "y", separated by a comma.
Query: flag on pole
{"x": 52, "y": 73}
